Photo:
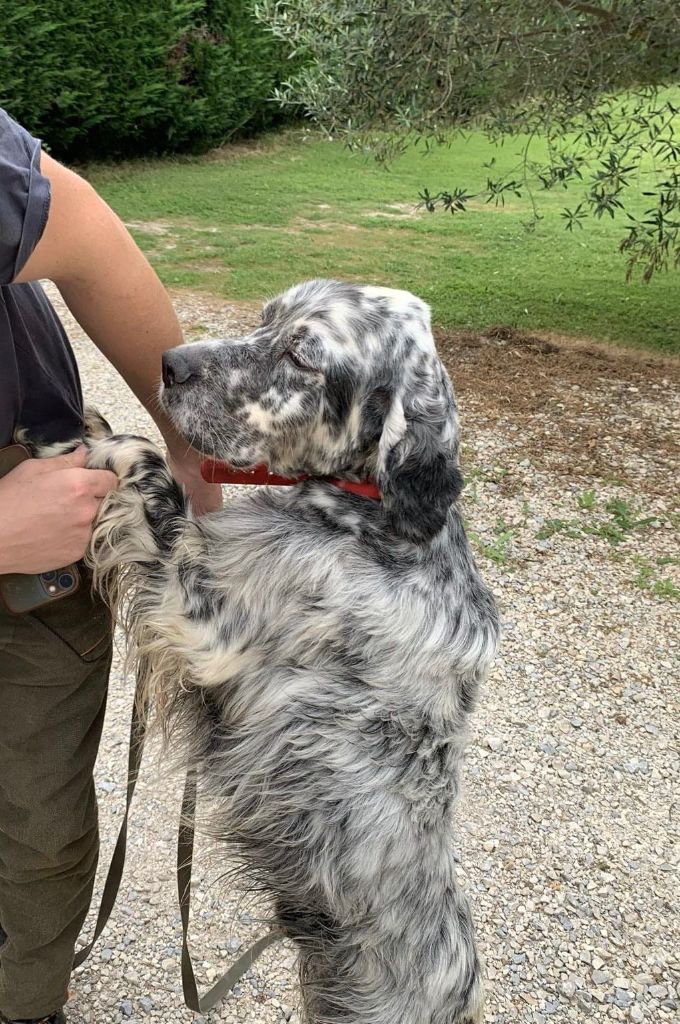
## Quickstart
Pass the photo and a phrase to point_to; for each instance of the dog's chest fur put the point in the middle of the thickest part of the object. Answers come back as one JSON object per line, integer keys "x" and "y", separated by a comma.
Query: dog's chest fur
{"x": 305, "y": 610}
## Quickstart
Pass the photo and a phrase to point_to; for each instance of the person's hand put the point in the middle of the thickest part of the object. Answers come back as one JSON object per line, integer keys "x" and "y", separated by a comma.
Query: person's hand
{"x": 185, "y": 466}
{"x": 47, "y": 507}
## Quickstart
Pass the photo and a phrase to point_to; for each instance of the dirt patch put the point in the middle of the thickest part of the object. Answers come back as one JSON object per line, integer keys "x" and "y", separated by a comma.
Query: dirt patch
{"x": 242, "y": 148}
{"x": 509, "y": 206}
{"x": 206, "y": 267}
{"x": 571, "y": 407}
{"x": 203, "y": 315}
{"x": 150, "y": 227}
{"x": 398, "y": 211}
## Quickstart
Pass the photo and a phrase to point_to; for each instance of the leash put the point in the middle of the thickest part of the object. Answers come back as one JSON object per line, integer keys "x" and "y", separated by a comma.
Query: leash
{"x": 185, "y": 856}
{"x": 185, "y": 853}
{"x": 117, "y": 865}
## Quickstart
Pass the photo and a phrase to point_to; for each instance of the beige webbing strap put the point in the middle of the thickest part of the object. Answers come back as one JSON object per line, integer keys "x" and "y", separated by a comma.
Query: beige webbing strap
{"x": 115, "y": 873}
{"x": 185, "y": 853}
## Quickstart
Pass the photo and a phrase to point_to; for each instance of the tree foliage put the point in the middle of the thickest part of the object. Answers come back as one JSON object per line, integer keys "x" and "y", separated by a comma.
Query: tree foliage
{"x": 101, "y": 80}
{"x": 590, "y": 78}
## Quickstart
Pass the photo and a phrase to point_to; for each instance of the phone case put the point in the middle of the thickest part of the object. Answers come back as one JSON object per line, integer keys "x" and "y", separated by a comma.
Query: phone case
{"x": 23, "y": 592}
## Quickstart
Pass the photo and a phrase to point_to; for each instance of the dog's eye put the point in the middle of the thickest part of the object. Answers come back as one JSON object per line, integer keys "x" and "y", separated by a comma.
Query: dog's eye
{"x": 294, "y": 358}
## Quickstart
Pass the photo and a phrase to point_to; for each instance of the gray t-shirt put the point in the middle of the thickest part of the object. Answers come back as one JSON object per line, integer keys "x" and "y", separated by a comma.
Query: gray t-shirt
{"x": 39, "y": 384}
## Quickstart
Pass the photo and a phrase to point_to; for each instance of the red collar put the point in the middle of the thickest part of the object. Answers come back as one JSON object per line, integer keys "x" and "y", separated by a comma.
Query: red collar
{"x": 220, "y": 473}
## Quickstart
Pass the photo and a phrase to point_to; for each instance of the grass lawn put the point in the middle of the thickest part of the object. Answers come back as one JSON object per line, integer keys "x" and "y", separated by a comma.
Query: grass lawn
{"x": 246, "y": 222}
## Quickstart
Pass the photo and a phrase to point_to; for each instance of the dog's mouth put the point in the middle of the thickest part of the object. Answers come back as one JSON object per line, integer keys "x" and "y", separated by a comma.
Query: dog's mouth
{"x": 187, "y": 422}
{"x": 169, "y": 399}
{"x": 170, "y": 402}
{"x": 244, "y": 465}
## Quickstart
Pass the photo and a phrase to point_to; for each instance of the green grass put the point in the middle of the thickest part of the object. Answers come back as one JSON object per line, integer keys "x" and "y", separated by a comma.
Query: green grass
{"x": 248, "y": 223}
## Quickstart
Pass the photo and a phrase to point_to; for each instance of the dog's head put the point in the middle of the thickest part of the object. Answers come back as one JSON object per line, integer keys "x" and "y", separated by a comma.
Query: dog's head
{"x": 339, "y": 380}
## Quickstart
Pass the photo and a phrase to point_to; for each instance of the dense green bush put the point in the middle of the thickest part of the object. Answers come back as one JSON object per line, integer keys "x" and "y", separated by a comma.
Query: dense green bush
{"x": 126, "y": 77}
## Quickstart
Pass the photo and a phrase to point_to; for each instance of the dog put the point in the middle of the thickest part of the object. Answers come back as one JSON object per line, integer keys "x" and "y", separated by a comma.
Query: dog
{"x": 315, "y": 652}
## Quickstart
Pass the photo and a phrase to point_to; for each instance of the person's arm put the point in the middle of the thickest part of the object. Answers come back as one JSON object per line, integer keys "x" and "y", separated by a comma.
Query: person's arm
{"x": 116, "y": 297}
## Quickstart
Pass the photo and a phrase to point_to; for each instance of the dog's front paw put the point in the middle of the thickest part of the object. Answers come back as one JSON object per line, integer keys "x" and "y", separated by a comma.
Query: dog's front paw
{"x": 148, "y": 502}
{"x": 142, "y": 518}
{"x": 128, "y": 456}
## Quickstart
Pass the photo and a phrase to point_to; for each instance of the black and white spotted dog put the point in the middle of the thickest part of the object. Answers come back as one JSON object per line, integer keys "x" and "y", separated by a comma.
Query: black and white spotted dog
{"x": 319, "y": 651}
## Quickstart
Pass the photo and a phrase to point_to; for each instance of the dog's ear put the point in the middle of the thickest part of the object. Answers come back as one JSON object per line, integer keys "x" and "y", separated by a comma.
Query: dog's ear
{"x": 418, "y": 472}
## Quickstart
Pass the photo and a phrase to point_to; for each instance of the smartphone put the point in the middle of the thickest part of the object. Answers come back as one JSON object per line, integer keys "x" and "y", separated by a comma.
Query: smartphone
{"x": 23, "y": 592}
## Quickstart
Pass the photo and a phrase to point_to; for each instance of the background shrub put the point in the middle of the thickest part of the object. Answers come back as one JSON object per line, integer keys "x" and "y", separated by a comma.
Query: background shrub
{"x": 125, "y": 78}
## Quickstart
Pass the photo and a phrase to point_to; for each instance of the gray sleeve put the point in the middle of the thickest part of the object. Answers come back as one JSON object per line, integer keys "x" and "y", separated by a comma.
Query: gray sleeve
{"x": 24, "y": 197}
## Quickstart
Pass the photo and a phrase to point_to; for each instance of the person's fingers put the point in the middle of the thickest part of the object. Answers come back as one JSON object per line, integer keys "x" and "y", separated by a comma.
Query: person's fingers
{"x": 72, "y": 460}
{"x": 102, "y": 481}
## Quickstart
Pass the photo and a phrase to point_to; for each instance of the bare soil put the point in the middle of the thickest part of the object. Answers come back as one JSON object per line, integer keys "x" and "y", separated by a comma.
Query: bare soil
{"x": 582, "y": 409}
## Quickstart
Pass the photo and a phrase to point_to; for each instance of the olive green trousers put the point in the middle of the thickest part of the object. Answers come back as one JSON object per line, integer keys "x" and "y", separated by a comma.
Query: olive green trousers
{"x": 54, "y": 670}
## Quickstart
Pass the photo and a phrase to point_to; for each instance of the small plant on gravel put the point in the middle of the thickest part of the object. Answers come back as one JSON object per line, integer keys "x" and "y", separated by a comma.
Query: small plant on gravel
{"x": 587, "y": 500}
{"x": 625, "y": 516}
{"x": 608, "y": 531}
{"x": 666, "y": 589}
{"x": 497, "y": 549}
{"x": 552, "y": 526}
{"x": 647, "y": 579}
{"x": 489, "y": 474}
{"x": 470, "y": 490}
{"x": 624, "y": 519}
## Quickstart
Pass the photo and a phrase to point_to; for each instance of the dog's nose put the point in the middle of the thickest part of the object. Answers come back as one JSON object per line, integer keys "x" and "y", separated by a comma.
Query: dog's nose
{"x": 176, "y": 368}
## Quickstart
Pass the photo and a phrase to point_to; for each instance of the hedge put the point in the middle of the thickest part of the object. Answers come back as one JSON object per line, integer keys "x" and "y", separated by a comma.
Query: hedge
{"x": 127, "y": 77}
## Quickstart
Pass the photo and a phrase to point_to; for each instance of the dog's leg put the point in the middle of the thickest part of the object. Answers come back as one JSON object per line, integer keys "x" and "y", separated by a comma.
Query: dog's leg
{"x": 354, "y": 841}
{"x": 144, "y": 518}
{"x": 148, "y": 556}
{"x": 411, "y": 959}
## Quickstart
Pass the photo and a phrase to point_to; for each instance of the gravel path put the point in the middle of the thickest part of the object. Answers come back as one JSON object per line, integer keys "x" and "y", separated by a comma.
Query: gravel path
{"x": 568, "y": 826}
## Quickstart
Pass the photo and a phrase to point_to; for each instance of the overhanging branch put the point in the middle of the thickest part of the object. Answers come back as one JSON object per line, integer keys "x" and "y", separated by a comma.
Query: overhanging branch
{"x": 602, "y": 13}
